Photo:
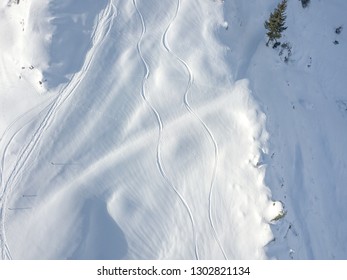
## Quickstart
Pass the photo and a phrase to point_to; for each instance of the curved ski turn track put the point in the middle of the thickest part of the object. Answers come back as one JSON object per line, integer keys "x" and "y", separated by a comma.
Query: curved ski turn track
{"x": 160, "y": 124}
{"x": 189, "y": 108}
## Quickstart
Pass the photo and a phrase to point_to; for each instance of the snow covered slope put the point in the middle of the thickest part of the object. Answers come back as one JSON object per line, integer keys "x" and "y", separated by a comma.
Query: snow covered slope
{"x": 132, "y": 130}
{"x": 305, "y": 101}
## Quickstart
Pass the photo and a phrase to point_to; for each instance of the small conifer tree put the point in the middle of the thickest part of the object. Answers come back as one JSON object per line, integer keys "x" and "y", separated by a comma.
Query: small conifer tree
{"x": 276, "y": 23}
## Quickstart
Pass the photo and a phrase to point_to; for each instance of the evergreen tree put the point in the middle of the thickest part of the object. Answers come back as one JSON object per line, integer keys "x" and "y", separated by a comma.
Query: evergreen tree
{"x": 276, "y": 22}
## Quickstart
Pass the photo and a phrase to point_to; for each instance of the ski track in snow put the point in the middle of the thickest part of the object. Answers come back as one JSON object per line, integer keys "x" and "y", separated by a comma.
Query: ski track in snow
{"x": 160, "y": 124}
{"x": 26, "y": 118}
{"x": 190, "y": 109}
{"x": 100, "y": 32}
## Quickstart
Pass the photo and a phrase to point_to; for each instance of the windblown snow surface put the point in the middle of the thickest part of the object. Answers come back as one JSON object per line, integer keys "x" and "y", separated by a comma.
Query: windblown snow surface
{"x": 143, "y": 129}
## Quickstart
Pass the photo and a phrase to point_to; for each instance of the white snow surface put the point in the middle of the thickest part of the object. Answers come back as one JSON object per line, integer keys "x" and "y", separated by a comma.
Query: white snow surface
{"x": 304, "y": 101}
{"x": 143, "y": 129}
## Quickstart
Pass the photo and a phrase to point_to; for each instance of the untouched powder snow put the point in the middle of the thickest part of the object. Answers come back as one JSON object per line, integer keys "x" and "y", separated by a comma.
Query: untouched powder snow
{"x": 143, "y": 129}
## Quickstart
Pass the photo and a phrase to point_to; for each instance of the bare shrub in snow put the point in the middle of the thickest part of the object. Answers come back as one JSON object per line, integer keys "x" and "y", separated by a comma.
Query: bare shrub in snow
{"x": 338, "y": 30}
{"x": 286, "y": 51}
{"x": 305, "y": 3}
{"x": 10, "y": 2}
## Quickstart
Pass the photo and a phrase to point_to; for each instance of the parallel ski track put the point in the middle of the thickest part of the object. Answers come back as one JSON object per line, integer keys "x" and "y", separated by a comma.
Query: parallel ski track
{"x": 208, "y": 131}
{"x": 101, "y": 30}
{"x": 21, "y": 122}
{"x": 160, "y": 125}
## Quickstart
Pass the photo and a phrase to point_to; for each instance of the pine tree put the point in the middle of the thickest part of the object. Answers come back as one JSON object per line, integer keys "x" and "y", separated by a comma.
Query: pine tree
{"x": 276, "y": 23}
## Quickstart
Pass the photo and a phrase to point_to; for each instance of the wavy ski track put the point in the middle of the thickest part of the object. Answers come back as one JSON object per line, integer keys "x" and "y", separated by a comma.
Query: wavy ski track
{"x": 100, "y": 32}
{"x": 160, "y": 124}
{"x": 190, "y": 109}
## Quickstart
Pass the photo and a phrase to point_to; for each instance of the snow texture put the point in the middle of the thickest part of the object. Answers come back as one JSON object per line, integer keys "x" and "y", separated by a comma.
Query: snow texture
{"x": 143, "y": 129}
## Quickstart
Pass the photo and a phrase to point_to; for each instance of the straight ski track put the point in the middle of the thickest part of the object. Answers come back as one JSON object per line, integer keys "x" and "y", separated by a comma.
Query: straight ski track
{"x": 100, "y": 32}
